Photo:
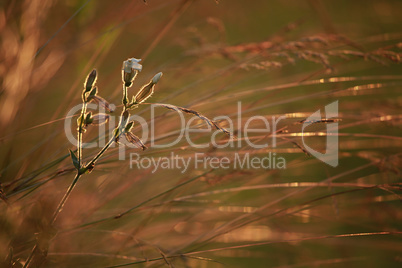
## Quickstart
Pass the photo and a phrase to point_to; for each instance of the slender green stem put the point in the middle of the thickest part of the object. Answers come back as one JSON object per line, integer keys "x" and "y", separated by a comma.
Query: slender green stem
{"x": 55, "y": 214}
{"x": 80, "y": 130}
{"x": 88, "y": 167}
{"x": 101, "y": 152}
{"x": 125, "y": 98}
{"x": 79, "y": 149}
{"x": 117, "y": 133}
{"x": 75, "y": 180}
{"x": 65, "y": 197}
{"x": 83, "y": 170}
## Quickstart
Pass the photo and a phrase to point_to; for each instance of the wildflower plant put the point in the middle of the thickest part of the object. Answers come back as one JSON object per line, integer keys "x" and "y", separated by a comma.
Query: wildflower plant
{"x": 130, "y": 70}
{"x": 131, "y": 67}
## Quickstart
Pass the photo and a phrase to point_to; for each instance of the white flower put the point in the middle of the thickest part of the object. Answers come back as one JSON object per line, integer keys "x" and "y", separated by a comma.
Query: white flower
{"x": 132, "y": 64}
{"x": 130, "y": 69}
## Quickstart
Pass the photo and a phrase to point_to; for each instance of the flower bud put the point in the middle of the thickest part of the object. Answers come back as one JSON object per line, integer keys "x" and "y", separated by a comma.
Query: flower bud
{"x": 83, "y": 121}
{"x": 156, "y": 78}
{"x": 90, "y": 81}
{"x": 146, "y": 91}
{"x": 93, "y": 92}
{"x": 88, "y": 119}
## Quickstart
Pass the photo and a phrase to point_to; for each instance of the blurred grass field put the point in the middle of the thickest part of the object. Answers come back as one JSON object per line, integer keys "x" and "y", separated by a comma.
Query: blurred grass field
{"x": 275, "y": 57}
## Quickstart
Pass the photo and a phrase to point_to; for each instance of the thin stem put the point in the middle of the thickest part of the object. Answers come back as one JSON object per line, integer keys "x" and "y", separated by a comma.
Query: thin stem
{"x": 88, "y": 167}
{"x": 125, "y": 98}
{"x": 56, "y": 213}
{"x": 80, "y": 130}
{"x": 79, "y": 172}
{"x": 65, "y": 197}
{"x": 82, "y": 171}
{"x": 101, "y": 152}
{"x": 77, "y": 176}
{"x": 117, "y": 133}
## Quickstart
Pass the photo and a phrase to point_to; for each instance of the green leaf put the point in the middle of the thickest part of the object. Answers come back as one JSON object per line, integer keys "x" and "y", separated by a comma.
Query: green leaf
{"x": 75, "y": 160}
